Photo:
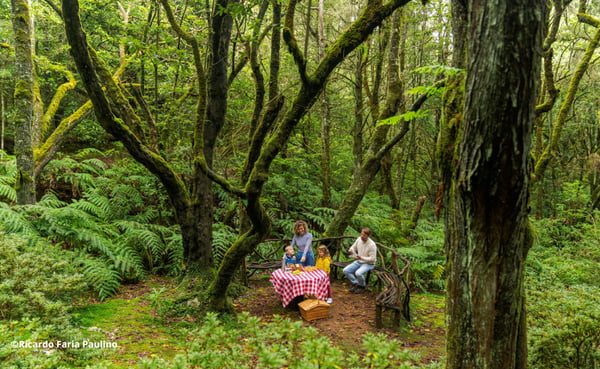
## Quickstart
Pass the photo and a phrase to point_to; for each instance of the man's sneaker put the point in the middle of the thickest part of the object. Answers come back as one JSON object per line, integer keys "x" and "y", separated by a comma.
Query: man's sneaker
{"x": 329, "y": 300}
{"x": 354, "y": 288}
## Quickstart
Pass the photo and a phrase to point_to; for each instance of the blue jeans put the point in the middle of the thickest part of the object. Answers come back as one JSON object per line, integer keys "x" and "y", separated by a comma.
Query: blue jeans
{"x": 356, "y": 271}
{"x": 310, "y": 258}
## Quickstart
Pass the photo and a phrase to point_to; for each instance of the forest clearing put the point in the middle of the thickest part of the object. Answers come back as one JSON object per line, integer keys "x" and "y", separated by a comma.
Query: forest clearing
{"x": 174, "y": 172}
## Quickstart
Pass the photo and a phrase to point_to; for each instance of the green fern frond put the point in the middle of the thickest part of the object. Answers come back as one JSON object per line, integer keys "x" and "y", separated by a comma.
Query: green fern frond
{"x": 151, "y": 241}
{"x": 7, "y": 192}
{"x": 50, "y": 200}
{"x": 89, "y": 207}
{"x": 102, "y": 202}
{"x": 93, "y": 242}
{"x": 95, "y": 165}
{"x": 127, "y": 261}
{"x": 88, "y": 152}
{"x": 223, "y": 238}
{"x": 175, "y": 254}
{"x": 13, "y": 221}
{"x": 101, "y": 277}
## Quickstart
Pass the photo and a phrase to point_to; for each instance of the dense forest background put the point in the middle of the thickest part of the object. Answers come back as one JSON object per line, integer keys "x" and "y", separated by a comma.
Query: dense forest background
{"x": 215, "y": 126}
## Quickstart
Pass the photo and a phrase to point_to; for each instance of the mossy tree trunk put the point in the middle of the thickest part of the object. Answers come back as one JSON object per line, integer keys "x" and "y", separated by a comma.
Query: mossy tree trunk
{"x": 24, "y": 100}
{"x": 487, "y": 231}
{"x": 452, "y": 105}
{"x": 117, "y": 117}
{"x": 38, "y": 137}
{"x": 552, "y": 147}
{"x": 545, "y": 154}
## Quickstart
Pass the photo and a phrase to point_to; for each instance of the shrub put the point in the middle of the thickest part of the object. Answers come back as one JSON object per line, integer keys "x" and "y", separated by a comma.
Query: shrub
{"x": 252, "y": 343}
{"x": 563, "y": 292}
{"x": 37, "y": 278}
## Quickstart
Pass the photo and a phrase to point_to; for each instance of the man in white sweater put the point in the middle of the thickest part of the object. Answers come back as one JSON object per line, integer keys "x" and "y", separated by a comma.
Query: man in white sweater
{"x": 364, "y": 252}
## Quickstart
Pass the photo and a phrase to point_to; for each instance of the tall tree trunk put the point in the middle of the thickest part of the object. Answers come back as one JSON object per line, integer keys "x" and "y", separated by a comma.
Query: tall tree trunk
{"x": 487, "y": 231}
{"x": 325, "y": 126}
{"x": 25, "y": 95}
{"x": 216, "y": 110}
{"x": 452, "y": 104}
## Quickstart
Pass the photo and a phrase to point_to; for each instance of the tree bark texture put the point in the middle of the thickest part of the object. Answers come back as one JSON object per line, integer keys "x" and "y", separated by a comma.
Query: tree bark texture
{"x": 24, "y": 101}
{"x": 487, "y": 231}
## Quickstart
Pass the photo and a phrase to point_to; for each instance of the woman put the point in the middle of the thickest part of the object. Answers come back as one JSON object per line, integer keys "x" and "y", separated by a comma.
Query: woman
{"x": 303, "y": 241}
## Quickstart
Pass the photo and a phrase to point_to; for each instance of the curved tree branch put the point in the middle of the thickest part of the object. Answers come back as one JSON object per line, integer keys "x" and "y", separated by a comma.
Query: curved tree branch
{"x": 199, "y": 156}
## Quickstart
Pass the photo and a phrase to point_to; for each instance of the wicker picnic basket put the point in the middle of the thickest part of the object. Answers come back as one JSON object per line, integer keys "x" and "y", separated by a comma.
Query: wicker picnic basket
{"x": 312, "y": 309}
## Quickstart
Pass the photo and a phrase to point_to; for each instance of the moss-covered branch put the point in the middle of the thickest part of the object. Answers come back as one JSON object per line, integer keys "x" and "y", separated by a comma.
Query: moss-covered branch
{"x": 553, "y": 146}
{"x": 588, "y": 19}
{"x": 292, "y": 43}
{"x": 200, "y": 160}
{"x": 49, "y": 147}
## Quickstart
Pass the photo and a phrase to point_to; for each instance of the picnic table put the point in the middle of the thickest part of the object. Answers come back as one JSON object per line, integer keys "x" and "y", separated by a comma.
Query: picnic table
{"x": 289, "y": 285}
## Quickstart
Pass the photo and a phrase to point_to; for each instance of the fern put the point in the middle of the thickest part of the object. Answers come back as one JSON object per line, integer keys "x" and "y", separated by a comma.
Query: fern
{"x": 101, "y": 276}
{"x": 50, "y": 200}
{"x": 128, "y": 261}
{"x": 7, "y": 192}
{"x": 8, "y": 175}
{"x": 14, "y": 222}
{"x": 174, "y": 261}
{"x": 223, "y": 238}
{"x": 109, "y": 226}
{"x": 90, "y": 208}
{"x": 152, "y": 244}
{"x": 319, "y": 217}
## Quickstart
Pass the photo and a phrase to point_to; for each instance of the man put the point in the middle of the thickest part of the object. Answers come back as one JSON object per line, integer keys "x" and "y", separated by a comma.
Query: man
{"x": 364, "y": 251}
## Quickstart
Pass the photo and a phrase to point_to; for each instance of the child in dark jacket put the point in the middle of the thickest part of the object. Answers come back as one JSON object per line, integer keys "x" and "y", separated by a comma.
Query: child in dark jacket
{"x": 289, "y": 257}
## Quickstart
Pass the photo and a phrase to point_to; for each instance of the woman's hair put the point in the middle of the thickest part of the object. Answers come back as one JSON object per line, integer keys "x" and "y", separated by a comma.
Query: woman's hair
{"x": 324, "y": 249}
{"x": 298, "y": 224}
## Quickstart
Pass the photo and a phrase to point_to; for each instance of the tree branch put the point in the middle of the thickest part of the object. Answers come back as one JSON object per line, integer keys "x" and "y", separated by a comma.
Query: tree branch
{"x": 199, "y": 157}
{"x": 588, "y": 19}
{"x": 292, "y": 43}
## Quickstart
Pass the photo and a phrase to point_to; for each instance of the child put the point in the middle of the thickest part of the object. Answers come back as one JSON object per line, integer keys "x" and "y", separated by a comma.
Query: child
{"x": 324, "y": 262}
{"x": 288, "y": 256}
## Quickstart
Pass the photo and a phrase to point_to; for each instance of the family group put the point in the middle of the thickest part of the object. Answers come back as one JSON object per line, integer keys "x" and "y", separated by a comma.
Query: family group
{"x": 363, "y": 251}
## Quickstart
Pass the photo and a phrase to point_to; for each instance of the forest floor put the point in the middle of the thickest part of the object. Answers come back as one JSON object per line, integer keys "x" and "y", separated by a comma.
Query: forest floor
{"x": 130, "y": 318}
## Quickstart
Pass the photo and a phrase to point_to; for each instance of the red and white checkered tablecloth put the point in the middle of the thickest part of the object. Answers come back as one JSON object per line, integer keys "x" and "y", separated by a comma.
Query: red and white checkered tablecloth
{"x": 289, "y": 286}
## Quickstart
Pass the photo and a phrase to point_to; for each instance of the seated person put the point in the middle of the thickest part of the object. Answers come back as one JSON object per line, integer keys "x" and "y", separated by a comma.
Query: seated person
{"x": 364, "y": 251}
{"x": 289, "y": 257}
